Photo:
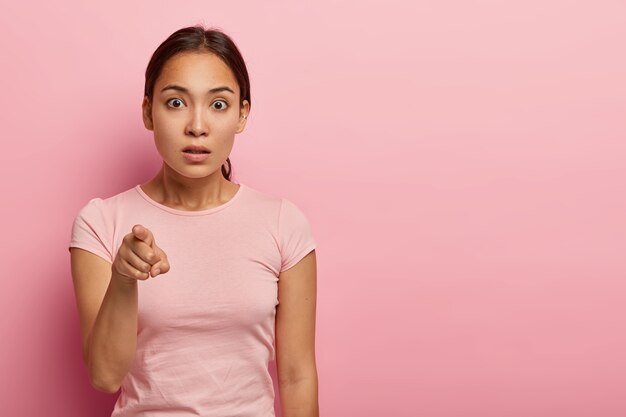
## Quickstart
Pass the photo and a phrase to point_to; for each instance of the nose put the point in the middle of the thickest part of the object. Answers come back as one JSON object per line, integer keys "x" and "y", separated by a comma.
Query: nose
{"x": 197, "y": 124}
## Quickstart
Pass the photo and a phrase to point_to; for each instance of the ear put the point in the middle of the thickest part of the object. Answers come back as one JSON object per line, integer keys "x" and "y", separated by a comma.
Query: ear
{"x": 244, "y": 109}
{"x": 146, "y": 109}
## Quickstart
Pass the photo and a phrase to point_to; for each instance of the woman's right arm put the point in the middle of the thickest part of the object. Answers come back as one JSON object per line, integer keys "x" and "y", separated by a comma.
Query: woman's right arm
{"x": 107, "y": 308}
{"x": 106, "y": 296}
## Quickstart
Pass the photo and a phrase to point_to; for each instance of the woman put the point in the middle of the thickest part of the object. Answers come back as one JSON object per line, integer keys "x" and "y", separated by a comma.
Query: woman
{"x": 178, "y": 281}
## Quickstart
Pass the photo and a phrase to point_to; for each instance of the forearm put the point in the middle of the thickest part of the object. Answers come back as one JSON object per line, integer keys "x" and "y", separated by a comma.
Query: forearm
{"x": 300, "y": 398}
{"x": 113, "y": 338}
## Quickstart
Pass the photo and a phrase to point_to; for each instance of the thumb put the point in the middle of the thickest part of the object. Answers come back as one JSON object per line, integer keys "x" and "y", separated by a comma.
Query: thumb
{"x": 163, "y": 265}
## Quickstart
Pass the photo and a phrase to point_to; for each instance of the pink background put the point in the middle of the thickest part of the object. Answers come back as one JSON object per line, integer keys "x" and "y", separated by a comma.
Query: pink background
{"x": 461, "y": 163}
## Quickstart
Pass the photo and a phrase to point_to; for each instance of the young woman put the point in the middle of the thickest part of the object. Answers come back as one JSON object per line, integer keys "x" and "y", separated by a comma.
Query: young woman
{"x": 188, "y": 285}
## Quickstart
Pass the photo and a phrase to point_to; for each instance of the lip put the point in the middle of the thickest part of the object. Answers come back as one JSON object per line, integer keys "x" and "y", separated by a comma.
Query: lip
{"x": 195, "y": 148}
{"x": 196, "y": 157}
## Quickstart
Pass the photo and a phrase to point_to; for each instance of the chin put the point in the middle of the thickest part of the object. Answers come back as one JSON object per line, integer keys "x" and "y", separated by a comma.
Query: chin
{"x": 193, "y": 171}
{"x": 197, "y": 173}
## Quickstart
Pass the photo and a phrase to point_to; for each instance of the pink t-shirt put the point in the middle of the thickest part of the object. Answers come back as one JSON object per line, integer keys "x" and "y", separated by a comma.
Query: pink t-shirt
{"x": 205, "y": 328}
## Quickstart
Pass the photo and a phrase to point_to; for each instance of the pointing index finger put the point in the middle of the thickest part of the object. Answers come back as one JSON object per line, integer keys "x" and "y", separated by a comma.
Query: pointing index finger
{"x": 143, "y": 234}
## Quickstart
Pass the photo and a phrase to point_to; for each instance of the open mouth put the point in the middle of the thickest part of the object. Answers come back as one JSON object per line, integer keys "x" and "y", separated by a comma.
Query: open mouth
{"x": 191, "y": 151}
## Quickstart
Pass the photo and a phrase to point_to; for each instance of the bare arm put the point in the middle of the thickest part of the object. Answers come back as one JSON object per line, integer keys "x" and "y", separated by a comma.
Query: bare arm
{"x": 107, "y": 307}
{"x": 106, "y": 296}
{"x": 295, "y": 339}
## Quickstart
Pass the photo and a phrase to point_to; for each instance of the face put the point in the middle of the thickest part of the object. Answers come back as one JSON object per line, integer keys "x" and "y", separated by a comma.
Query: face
{"x": 195, "y": 102}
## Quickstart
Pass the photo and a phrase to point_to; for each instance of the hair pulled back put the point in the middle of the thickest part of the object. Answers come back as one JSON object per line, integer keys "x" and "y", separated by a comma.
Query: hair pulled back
{"x": 198, "y": 39}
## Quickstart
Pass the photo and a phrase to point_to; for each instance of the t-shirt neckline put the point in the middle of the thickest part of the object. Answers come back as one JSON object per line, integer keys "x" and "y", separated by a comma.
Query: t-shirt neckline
{"x": 189, "y": 212}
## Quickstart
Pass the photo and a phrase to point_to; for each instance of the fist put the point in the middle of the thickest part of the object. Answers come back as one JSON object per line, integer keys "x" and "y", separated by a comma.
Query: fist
{"x": 139, "y": 257}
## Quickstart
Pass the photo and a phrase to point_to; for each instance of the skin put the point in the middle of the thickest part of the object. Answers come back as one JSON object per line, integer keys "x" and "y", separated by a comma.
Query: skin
{"x": 195, "y": 117}
{"x": 198, "y": 117}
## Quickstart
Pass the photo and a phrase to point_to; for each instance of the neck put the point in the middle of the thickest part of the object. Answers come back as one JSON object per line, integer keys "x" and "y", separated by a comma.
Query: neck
{"x": 174, "y": 190}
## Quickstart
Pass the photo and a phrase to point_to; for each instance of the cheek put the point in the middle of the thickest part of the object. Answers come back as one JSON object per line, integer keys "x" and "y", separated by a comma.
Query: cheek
{"x": 166, "y": 129}
{"x": 165, "y": 139}
{"x": 222, "y": 130}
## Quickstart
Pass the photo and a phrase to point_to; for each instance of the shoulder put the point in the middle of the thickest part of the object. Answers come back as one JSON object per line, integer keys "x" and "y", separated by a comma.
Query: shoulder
{"x": 261, "y": 204}
{"x": 257, "y": 195}
{"x": 283, "y": 209}
{"x": 279, "y": 201}
{"x": 106, "y": 207}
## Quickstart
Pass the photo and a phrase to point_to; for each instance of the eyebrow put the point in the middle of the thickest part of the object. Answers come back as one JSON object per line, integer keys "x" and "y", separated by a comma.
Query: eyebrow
{"x": 184, "y": 90}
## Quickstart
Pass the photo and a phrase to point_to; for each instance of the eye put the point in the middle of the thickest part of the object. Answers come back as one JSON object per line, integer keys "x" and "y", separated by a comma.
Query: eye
{"x": 219, "y": 105}
{"x": 176, "y": 103}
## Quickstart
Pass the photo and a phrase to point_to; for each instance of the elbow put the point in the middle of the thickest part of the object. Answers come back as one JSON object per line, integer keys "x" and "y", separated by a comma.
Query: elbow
{"x": 101, "y": 382}
{"x": 104, "y": 386}
{"x": 298, "y": 375}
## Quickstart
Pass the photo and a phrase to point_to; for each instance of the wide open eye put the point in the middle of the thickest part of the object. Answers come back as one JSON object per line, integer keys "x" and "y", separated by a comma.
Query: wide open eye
{"x": 176, "y": 103}
{"x": 220, "y": 105}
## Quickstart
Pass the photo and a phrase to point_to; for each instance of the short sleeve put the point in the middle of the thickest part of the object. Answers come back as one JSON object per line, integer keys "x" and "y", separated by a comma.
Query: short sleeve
{"x": 295, "y": 237}
{"x": 89, "y": 230}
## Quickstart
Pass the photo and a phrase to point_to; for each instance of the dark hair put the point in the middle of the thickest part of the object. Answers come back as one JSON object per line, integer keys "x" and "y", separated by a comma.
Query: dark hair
{"x": 198, "y": 39}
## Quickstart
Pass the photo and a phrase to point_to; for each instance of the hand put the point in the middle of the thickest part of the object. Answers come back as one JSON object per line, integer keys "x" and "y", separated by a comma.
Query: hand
{"x": 139, "y": 257}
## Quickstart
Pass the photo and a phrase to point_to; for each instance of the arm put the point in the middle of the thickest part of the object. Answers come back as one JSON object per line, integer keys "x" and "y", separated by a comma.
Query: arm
{"x": 295, "y": 339}
{"x": 107, "y": 308}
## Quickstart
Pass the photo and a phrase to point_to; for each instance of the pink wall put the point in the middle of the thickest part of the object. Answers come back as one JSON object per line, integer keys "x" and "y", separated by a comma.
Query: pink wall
{"x": 461, "y": 163}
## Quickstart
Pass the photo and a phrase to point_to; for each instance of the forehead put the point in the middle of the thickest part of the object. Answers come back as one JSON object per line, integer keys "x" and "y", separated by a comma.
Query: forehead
{"x": 197, "y": 69}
